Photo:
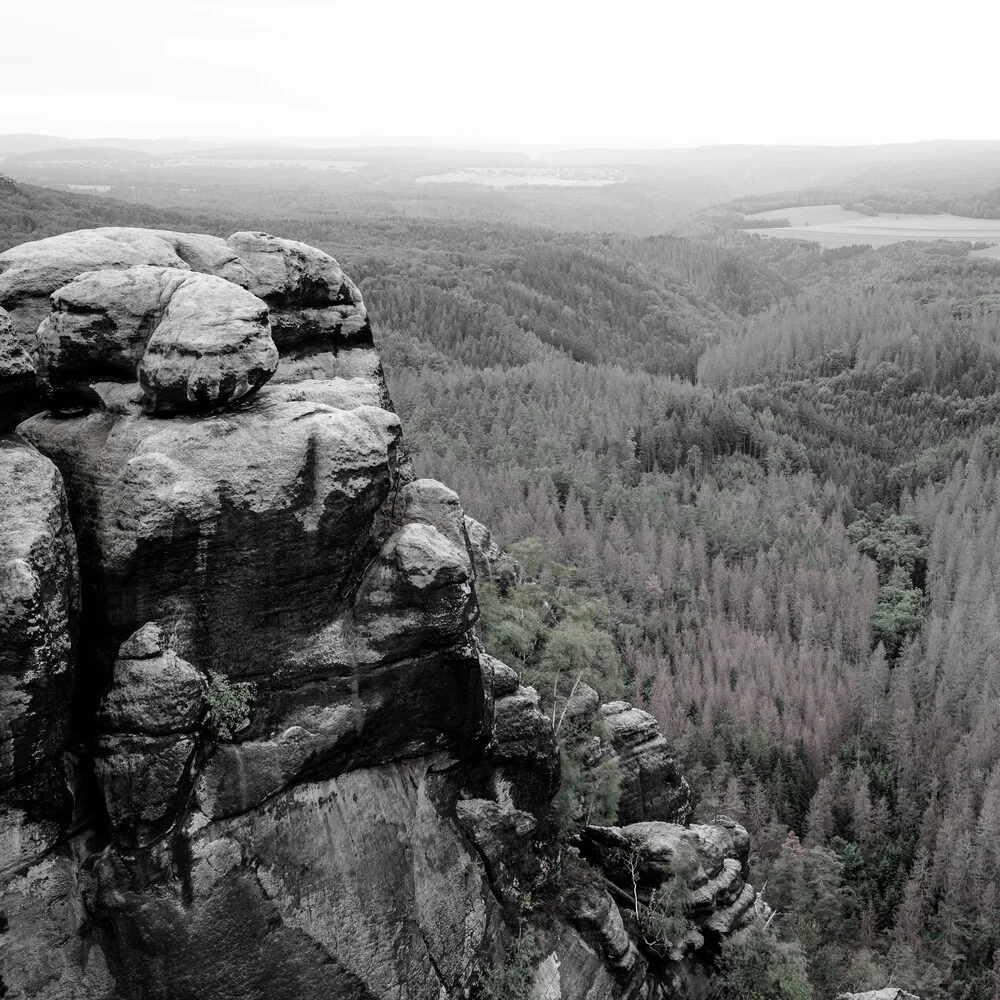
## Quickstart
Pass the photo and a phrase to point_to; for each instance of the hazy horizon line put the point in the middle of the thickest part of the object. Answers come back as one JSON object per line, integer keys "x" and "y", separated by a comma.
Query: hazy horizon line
{"x": 477, "y": 143}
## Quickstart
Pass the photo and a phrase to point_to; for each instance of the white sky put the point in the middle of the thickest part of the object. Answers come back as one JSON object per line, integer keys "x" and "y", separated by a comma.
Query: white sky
{"x": 534, "y": 71}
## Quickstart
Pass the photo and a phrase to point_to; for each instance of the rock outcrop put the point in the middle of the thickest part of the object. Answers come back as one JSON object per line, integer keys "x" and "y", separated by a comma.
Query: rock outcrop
{"x": 641, "y": 857}
{"x": 249, "y": 745}
{"x": 652, "y": 787}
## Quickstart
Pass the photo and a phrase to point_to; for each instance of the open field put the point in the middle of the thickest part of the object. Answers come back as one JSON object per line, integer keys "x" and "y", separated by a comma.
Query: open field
{"x": 833, "y": 226}
{"x": 520, "y": 176}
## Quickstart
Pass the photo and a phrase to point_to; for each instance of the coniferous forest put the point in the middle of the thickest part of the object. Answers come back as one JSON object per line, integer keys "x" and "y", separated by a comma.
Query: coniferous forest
{"x": 750, "y": 485}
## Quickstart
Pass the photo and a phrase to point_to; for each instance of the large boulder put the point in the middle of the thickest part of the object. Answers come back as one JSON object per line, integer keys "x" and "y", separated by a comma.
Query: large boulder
{"x": 318, "y": 316}
{"x": 311, "y": 299}
{"x": 31, "y": 272}
{"x": 194, "y": 340}
{"x": 149, "y": 719}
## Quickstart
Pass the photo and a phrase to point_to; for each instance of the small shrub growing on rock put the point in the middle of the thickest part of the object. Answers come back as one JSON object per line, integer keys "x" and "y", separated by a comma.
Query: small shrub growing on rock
{"x": 228, "y": 706}
{"x": 662, "y": 918}
{"x": 589, "y": 789}
{"x": 515, "y": 979}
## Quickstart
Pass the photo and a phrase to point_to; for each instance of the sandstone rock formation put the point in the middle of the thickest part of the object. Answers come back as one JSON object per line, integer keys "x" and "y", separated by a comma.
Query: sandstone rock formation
{"x": 486, "y": 554}
{"x": 268, "y": 757}
{"x": 652, "y": 788}
{"x": 196, "y": 341}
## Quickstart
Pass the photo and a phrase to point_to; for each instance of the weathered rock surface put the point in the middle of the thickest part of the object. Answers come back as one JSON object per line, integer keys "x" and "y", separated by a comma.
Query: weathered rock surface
{"x": 196, "y": 341}
{"x": 501, "y": 834}
{"x": 313, "y": 301}
{"x": 571, "y": 969}
{"x": 355, "y": 886}
{"x": 17, "y": 375}
{"x": 47, "y": 948}
{"x": 153, "y": 691}
{"x": 524, "y": 760}
{"x": 318, "y": 317}
{"x": 652, "y": 787}
{"x": 31, "y": 272}
{"x": 486, "y": 554}
{"x": 39, "y": 608}
{"x": 503, "y": 679}
{"x": 148, "y": 718}
{"x": 144, "y": 780}
{"x": 242, "y": 535}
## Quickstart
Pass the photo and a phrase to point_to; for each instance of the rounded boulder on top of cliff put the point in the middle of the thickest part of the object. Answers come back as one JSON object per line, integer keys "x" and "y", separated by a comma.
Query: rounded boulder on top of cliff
{"x": 197, "y": 341}
{"x": 310, "y": 296}
{"x": 31, "y": 272}
{"x": 318, "y": 316}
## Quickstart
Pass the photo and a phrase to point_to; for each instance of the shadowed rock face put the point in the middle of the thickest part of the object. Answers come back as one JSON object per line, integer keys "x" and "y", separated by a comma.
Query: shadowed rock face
{"x": 17, "y": 375}
{"x": 39, "y": 618}
{"x": 355, "y": 886}
{"x": 268, "y": 758}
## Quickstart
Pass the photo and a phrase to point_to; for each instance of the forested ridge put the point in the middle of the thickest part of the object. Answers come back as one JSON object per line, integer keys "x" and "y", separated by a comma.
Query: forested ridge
{"x": 752, "y": 486}
{"x": 766, "y": 547}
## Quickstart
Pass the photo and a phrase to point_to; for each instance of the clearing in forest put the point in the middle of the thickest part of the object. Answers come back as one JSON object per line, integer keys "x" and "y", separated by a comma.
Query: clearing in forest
{"x": 833, "y": 226}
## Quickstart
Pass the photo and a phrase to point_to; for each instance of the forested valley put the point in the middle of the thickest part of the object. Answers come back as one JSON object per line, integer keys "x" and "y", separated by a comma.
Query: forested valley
{"x": 752, "y": 486}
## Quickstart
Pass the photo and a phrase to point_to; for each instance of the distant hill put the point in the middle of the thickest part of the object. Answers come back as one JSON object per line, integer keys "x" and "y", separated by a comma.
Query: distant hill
{"x": 80, "y": 154}
{"x": 32, "y": 213}
{"x": 755, "y": 170}
{"x": 50, "y": 148}
{"x": 16, "y": 144}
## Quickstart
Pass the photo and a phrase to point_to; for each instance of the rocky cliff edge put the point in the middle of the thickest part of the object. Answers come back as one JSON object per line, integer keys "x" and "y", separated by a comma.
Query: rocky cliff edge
{"x": 249, "y": 745}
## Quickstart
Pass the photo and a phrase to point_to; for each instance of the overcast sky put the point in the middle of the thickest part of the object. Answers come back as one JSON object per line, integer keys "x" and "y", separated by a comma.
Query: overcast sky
{"x": 534, "y": 71}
